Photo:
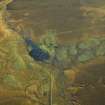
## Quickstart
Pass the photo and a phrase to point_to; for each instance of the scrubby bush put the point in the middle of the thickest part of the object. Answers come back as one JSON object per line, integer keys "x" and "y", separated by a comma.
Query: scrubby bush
{"x": 48, "y": 42}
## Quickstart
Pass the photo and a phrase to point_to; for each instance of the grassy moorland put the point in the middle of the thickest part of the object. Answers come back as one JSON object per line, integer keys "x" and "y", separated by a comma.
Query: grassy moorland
{"x": 80, "y": 51}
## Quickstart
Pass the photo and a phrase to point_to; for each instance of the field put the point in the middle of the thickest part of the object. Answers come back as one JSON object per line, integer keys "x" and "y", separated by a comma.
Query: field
{"x": 73, "y": 33}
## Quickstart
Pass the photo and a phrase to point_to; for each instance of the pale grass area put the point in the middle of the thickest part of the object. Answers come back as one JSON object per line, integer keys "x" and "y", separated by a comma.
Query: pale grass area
{"x": 10, "y": 93}
{"x": 6, "y": 33}
{"x": 99, "y": 11}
